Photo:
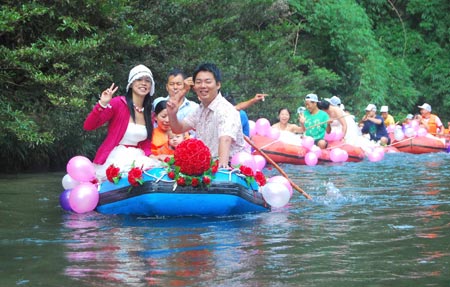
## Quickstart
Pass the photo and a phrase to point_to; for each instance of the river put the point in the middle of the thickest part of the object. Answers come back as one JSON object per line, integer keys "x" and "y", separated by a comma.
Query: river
{"x": 388, "y": 225}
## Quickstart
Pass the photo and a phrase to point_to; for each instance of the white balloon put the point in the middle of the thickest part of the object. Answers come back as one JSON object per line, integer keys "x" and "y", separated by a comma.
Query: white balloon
{"x": 410, "y": 132}
{"x": 398, "y": 135}
{"x": 68, "y": 182}
{"x": 276, "y": 194}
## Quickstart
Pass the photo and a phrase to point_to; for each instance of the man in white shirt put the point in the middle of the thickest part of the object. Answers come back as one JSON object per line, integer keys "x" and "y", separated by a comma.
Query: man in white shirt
{"x": 216, "y": 121}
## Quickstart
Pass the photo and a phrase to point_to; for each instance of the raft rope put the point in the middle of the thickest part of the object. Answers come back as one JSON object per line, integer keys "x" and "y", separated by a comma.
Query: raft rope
{"x": 269, "y": 144}
{"x": 223, "y": 171}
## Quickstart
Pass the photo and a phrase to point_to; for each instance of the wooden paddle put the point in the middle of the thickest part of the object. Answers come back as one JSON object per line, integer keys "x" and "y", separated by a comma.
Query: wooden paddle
{"x": 283, "y": 173}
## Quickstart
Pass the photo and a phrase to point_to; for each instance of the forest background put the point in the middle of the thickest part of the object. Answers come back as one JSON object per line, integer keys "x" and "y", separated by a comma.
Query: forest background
{"x": 57, "y": 56}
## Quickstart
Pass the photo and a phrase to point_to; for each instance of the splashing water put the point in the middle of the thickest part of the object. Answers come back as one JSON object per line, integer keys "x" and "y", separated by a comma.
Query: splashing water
{"x": 332, "y": 191}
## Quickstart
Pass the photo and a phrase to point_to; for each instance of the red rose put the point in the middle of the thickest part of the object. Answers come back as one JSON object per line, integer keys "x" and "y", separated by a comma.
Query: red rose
{"x": 206, "y": 180}
{"x": 171, "y": 175}
{"x": 260, "y": 178}
{"x": 167, "y": 159}
{"x": 113, "y": 174}
{"x": 194, "y": 182}
{"x": 135, "y": 176}
{"x": 245, "y": 170}
{"x": 181, "y": 181}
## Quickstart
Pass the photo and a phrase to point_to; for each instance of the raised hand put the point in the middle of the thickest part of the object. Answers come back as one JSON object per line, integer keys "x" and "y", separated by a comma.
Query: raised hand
{"x": 107, "y": 95}
{"x": 301, "y": 119}
{"x": 172, "y": 108}
{"x": 188, "y": 84}
{"x": 260, "y": 97}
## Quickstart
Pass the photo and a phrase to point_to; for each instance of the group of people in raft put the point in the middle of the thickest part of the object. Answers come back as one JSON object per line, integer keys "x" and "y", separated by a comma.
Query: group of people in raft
{"x": 143, "y": 131}
{"x": 320, "y": 117}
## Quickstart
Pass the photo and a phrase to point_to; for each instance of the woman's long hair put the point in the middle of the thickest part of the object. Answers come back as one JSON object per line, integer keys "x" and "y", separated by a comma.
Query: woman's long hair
{"x": 148, "y": 102}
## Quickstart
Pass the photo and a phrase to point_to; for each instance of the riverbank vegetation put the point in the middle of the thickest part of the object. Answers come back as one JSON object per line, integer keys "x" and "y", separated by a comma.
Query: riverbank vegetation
{"x": 56, "y": 57}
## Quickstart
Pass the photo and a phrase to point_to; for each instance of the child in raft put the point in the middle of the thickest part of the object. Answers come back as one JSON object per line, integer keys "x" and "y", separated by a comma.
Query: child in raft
{"x": 173, "y": 141}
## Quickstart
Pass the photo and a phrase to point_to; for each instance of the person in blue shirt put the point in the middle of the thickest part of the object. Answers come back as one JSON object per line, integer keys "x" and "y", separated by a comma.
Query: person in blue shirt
{"x": 177, "y": 86}
{"x": 373, "y": 125}
{"x": 242, "y": 113}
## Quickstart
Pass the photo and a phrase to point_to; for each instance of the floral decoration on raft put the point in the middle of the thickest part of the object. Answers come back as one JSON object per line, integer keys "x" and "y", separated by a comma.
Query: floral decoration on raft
{"x": 251, "y": 176}
{"x": 192, "y": 164}
{"x": 134, "y": 175}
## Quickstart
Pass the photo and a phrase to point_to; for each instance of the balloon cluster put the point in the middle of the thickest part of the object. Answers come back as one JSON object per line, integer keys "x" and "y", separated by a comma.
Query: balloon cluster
{"x": 255, "y": 162}
{"x": 80, "y": 193}
{"x": 410, "y": 130}
{"x": 277, "y": 191}
{"x": 262, "y": 127}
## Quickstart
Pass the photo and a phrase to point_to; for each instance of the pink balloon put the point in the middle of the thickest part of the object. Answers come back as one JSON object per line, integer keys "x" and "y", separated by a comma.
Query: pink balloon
{"x": 83, "y": 197}
{"x": 260, "y": 162}
{"x": 390, "y": 128}
{"x": 410, "y": 132}
{"x": 262, "y": 126}
{"x": 343, "y": 157}
{"x": 243, "y": 158}
{"x": 414, "y": 124}
{"x": 283, "y": 180}
{"x": 376, "y": 155}
{"x": 338, "y": 155}
{"x": 421, "y": 132}
{"x": 338, "y": 136}
{"x": 252, "y": 128}
{"x": 307, "y": 142}
{"x": 311, "y": 158}
{"x": 379, "y": 149}
{"x": 317, "y": 150}
{"x": 330, "y": 136}
{"x": 273, "y": 133}
{"x": 80, "y": 168}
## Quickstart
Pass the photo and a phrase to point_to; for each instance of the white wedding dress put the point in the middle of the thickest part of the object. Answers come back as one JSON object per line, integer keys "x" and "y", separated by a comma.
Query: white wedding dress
{"x": 127, "y": 154}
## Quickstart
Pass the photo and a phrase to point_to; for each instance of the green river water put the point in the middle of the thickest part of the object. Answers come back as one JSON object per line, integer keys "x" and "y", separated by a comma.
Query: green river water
{"x": 389, "y": 225}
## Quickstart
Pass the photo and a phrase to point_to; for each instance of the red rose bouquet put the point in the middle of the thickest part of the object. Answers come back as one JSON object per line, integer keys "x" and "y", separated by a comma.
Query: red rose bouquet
{"x": 193, "y": 157}
{"x": 192, "y": 164}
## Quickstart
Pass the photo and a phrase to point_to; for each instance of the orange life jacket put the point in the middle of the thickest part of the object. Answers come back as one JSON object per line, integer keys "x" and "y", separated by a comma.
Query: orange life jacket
{"x": 432, "y": 127}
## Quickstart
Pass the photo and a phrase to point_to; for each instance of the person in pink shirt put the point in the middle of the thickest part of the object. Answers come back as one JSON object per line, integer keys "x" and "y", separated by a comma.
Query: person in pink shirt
{"x": 129, "y": 121}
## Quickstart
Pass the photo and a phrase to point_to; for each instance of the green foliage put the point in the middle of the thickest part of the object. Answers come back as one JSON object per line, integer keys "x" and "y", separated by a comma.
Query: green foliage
{"x": 56, "y": 57}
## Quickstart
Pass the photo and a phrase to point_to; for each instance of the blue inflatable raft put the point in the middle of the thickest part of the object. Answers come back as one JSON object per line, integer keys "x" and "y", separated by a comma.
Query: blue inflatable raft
{"x": 228, "y": 194}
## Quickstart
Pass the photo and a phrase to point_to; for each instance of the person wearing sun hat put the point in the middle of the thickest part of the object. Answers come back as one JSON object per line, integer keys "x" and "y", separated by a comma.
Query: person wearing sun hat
{"x": 129, "y": 122}
{"x": 314, "y": 122}
{"x": 373, "y": 125}
{"x": 334, "y": 101}
{"x": 429, "y": 121}
{"x": 388, "y": 119}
